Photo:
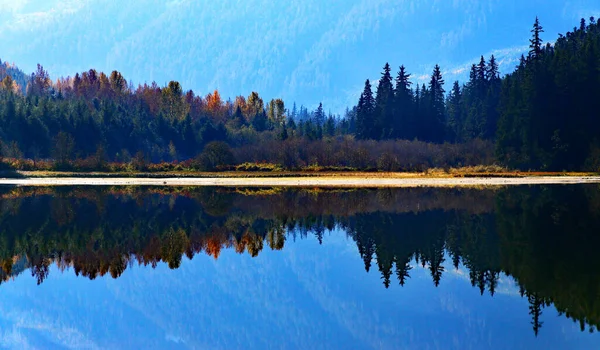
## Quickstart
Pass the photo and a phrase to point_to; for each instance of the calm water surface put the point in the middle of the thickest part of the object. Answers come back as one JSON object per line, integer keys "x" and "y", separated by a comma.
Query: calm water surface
{"x": 213, "y": 268}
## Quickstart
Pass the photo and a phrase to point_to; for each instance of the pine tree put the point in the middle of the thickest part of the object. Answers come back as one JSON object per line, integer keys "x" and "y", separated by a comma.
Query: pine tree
{"x": 284, "y": 132}
{"x": 384, "y": 106}
{"x": 404, "y": 121}
{"x": 365, "y": 113}
{"x": 492, "y": 99}
{"x": 492, "y": 72}
{"x": 417, "y": 113}
{"x": 535, "y": 43}
{"x": 455, "y": 113}
{"x": 319, "y": 115}
{"x": 436, "y": 114}
{"x": 329, "y": 128}
{"x": 481, "y": 72}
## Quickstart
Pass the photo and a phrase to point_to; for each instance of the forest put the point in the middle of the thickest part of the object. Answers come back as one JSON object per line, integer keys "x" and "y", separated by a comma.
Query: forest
{"x": 542, "y": 116}
{"x": 525, "y": 233}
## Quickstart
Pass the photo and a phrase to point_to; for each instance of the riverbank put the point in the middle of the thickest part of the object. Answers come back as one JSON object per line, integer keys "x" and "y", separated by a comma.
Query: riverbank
{"x": 367, "y": 180}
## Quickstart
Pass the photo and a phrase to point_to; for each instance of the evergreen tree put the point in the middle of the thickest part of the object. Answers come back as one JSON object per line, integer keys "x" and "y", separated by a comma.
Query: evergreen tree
{"x": 455, "y": 114}
{"x": 435, "y": 118}
{"x": 492, "y": 99}
{"x": 319, "y": 115}
{"x": 284, "y": 132}
{"x": 535, "y": 43}
{"x": 329, "y": 128}
{"x": 384, "y": 106}
{"x": 365, "y": 123}
{"x": 404, "y": 110}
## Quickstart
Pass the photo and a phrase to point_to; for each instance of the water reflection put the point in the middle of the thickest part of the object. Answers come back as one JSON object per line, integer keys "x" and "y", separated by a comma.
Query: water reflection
{"x": 545, "y": 238}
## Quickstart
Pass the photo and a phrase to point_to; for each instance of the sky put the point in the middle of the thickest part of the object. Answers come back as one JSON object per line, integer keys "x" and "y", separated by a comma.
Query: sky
{"x": 304, "y": 51}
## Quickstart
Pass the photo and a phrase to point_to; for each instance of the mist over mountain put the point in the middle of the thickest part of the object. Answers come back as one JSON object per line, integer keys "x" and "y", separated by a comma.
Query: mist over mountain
{"x": 305, "y": 51}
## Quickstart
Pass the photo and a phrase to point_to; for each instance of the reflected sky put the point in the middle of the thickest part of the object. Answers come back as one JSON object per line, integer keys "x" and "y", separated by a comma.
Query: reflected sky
{"x": 304, "y": 296}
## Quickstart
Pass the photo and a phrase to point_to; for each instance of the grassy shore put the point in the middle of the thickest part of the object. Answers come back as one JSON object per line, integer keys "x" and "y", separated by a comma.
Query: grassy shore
{"x": 431, "y": 173}
{"x": 331, "y": 181}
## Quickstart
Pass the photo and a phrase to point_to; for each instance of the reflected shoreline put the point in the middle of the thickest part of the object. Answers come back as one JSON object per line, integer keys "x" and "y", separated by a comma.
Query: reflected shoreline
{"x": 543, "y": 236}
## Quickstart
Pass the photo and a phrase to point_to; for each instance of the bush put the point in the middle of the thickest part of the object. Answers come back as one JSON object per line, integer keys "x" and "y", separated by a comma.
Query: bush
{"x": 266, "y": 167}
{"x": 388, "y": 162}
{"x": 216, "y": 154}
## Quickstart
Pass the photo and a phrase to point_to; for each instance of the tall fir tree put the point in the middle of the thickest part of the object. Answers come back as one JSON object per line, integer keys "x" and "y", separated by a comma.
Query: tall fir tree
{"x": 454, "y": 106}
{"x": 535, "y": 43}
{"x": 384, "y": 106}
{"x": 365, "y": 123}
{"x": 436, "y": 115}
{"x": 404, "y": 110}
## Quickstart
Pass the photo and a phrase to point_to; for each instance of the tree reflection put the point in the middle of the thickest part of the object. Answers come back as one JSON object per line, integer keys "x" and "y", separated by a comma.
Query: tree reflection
{"x": 543, "y": 237}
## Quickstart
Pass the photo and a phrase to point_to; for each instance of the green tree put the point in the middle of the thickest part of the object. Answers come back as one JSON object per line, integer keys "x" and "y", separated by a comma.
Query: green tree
{"x": 63, "y": 149}
{"x": 365, "y": 123}
{"x": 404, "y": 118}
{"x": 435, "y": 118}
{"x": 216, "y": 154}
{"x": 455, "y": 113}
{"x": 535, "y": 43}
{"x": 384, "y": 106}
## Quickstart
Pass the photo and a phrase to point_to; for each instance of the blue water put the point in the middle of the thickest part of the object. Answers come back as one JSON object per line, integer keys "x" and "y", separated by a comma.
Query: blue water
{"x": 305, "y": 296}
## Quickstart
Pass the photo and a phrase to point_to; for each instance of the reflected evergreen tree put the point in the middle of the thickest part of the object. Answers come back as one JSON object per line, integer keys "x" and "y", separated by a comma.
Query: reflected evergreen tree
{"x": 525, "y": 233}
{"x": 535, "y": 311}
{"x": 492, "y": 282}
{"x": 403, "y": 271}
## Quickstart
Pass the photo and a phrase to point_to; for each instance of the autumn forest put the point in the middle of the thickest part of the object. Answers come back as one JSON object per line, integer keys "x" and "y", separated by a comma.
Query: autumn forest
{"x": 542, "y": 116}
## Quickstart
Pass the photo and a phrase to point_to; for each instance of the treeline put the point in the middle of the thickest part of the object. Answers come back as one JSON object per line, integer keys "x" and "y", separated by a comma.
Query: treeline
{"x": 526, "y": 233}
{"x": 96, "y": 121}
{"x": 550, "y": 106}
{"x": 542, "y": 116}
{"x": 468, "y": 112}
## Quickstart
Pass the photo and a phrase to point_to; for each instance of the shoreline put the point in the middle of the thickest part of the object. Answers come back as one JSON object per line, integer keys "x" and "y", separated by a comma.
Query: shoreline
{"x": 308, "y": 181}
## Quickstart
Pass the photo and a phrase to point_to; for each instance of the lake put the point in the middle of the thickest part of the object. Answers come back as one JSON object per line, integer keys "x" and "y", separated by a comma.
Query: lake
{"x": 255, "y": 268}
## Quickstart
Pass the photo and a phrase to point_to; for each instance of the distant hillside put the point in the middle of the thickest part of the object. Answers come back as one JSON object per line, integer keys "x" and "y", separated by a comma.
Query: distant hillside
{"x": 306, "y": 51}
{"x": 15, "y": 73}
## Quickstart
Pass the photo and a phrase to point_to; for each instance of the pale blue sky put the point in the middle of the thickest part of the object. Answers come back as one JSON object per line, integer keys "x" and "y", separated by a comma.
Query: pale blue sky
{"x": 305, "y": 51}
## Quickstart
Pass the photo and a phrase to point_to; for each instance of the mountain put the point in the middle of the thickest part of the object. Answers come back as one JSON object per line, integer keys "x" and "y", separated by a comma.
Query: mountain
{"x": 306, "y": 51}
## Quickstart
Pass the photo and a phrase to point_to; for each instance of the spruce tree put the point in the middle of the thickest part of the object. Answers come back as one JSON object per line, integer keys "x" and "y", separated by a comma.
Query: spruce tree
{"x": 384, "y": 106}
{"x": 535, "y": 43}
{"x": 365, "y": 113}
{"x": 455, "y": 113}
{"x": 404, "y": 121}
{"x": 492, "y": 99}
{"x": 436, "y": 114}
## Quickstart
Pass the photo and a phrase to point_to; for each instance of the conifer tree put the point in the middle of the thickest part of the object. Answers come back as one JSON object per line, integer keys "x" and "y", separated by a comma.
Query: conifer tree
{"x": 535, "y": 43}
{"x": 384, "y": 106}
{"x": 365, "y": 113}
{"x": 404, "y": 121}
{"x": 455, "y": 113}
{"x": 436, "y": 115}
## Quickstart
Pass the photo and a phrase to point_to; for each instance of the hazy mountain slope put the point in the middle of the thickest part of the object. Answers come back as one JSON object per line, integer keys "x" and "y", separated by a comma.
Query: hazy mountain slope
{"x": 308, "y": 51}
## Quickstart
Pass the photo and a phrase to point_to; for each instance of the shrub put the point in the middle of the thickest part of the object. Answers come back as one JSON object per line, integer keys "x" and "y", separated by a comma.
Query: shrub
{"x": 388, "y": 162}
{"x": 215, "y": 155}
